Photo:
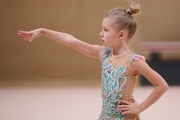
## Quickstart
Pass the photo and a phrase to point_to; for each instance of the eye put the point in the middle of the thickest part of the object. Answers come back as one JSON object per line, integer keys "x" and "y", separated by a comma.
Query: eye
{"x": 105, "y": 30}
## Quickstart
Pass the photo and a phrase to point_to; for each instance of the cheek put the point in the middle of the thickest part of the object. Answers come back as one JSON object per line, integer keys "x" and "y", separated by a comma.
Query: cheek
{"x": 110, "y": 36}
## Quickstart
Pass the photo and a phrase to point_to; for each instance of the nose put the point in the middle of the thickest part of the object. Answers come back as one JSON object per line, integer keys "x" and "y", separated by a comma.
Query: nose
{"x": 101, "y": 34}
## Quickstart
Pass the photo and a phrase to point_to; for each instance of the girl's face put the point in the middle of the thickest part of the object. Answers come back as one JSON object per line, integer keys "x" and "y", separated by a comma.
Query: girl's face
{"x": 109, "y": 35}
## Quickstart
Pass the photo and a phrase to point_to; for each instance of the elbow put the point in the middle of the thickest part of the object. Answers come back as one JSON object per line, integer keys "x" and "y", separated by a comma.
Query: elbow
{"x": 165, "y": 87}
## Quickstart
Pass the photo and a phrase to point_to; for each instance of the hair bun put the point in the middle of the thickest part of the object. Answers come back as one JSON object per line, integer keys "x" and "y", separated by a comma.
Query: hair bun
{"x": 134, "y": 9}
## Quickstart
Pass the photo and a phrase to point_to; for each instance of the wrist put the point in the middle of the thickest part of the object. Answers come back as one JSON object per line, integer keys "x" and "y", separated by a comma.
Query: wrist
{"x": 41, "y": 31}
{"x": 141, "y": 108}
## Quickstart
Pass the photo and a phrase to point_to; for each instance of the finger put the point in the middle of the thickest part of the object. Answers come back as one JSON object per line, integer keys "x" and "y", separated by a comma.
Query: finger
{"x": 125, "y": 109}
{"x": 24, "y": 33}
{"x": 26, "y": 38}
{"x": 126, "y": 112}
{"x": 123, "y": 106}
{"x": 21, "y": 32}
{"x": 134, "y": 101}
{"x": 126, "y": 102}
{"x": 31, "y": 39}
{"x": 23, "y": 36}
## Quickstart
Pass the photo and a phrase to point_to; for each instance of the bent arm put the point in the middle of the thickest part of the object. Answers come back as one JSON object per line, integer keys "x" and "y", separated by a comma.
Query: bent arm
{"x": 93, "y": 51}
{"x": 160, "y": 84}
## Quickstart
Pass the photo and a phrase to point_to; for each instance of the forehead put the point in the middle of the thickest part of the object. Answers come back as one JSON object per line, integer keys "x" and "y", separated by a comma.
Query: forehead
{"x": 107, "y": 22}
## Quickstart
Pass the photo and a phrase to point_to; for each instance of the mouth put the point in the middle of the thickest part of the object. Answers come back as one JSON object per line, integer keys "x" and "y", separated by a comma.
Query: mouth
{"x": 102, "y": 40}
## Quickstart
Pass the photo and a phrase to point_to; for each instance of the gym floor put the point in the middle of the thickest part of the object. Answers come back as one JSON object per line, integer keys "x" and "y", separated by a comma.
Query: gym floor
{"x": 77, "y": 103}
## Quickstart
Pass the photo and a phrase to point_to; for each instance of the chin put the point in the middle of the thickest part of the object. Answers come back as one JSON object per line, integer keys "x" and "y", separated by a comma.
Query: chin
{"x": 105, "y": 45}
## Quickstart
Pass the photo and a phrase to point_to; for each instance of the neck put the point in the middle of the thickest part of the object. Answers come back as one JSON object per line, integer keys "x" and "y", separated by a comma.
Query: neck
{"x": 120, "y": 50}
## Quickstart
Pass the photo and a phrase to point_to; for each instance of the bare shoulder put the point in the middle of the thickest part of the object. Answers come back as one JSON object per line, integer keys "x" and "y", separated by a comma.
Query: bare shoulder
{"x": 140, "y": 66}
{"x": 99, "y": 51}
{"x": 138, "y": 63}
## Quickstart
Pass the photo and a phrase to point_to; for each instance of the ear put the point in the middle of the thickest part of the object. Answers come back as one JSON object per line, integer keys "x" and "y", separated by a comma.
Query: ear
{"x": 121, "y": 34}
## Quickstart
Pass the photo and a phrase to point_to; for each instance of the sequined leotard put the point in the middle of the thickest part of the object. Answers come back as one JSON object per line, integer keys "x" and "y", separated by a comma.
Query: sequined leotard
{"x": 117, "y": 83}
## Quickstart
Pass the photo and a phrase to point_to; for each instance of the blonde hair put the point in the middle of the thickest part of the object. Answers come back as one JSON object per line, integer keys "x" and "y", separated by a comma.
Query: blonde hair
{"x": 123, "y": 19}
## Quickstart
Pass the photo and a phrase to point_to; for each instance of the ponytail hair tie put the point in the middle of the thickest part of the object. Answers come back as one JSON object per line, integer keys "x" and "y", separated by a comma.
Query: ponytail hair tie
{"x": 128, "y": 12}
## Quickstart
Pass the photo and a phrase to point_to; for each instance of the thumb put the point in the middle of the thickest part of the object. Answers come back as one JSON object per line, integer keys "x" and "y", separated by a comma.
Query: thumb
{"x": 134, "y": 101}
{"x": 31, "y": 39}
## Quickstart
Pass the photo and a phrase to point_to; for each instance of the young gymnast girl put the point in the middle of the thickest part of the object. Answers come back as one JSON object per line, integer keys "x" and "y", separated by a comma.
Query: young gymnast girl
{"x": 120, "y": 65}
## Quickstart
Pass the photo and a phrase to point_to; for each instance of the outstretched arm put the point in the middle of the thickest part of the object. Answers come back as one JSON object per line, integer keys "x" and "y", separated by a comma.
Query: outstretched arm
{"x": 93, "y": 51}
{"x": 140, "y": 66}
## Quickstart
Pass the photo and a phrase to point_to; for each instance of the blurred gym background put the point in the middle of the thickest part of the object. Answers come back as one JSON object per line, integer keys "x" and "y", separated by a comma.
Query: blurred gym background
{"x": 47, "y": 80}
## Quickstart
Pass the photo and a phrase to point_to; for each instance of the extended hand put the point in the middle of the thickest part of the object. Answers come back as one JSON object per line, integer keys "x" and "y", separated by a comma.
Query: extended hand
{"x": 129, "y": 108}
{"x": 29, "y": 35}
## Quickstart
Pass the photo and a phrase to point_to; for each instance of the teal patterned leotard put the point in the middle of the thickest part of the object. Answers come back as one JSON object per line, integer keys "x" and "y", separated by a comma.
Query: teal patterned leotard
{"x": 117, "y": 83}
